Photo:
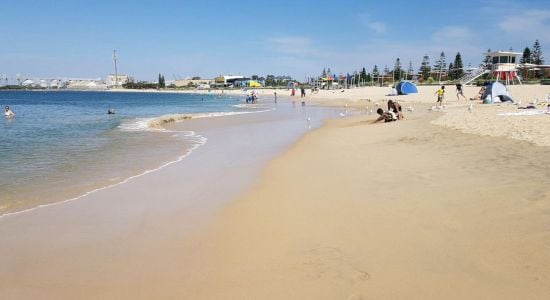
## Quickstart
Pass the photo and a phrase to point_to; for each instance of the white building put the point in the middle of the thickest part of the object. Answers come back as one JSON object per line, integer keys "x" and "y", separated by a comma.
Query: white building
{"x": 193, "y": 82}
{"x": 56, "y": 83}
{"x": 86, "y": 84}
{"x": 28, "y": 82}
{"x": 117, "y": 80}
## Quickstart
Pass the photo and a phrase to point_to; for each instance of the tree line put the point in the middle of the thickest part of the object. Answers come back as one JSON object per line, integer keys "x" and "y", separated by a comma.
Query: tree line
{"x": 534, "y": 57}
{"x": 439, "y": 71}
{"x": 426, "y": 72}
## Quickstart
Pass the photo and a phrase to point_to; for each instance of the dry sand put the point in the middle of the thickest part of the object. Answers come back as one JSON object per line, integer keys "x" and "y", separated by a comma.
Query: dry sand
{"x": 407, "y": 210}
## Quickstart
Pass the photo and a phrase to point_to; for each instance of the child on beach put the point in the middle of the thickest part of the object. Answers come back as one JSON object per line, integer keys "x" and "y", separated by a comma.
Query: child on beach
{"x": 396, "y": 108}
{"x": 459, "y": 92}
{"x": 386, "y": 116}
{"x": 440, "y": 95}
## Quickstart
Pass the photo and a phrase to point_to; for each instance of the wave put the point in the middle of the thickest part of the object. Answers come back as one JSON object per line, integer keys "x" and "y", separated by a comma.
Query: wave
{"x": 249, "y": 106}
{"x": 149, "y": 124}
{"x": 156, "y": 124}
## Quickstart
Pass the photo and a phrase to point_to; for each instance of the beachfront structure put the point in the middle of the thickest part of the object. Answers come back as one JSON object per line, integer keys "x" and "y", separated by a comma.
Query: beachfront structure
{"x": 193, "y": 82}
{"x": 227, "y": 80}
{"x": 117, "y": 80}
{"x": 248, "y": 83}
{"x": 504, "y": 66}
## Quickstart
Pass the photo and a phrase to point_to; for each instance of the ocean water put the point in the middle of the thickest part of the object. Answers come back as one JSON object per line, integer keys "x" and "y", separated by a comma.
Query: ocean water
{"x": 62, "y": 144}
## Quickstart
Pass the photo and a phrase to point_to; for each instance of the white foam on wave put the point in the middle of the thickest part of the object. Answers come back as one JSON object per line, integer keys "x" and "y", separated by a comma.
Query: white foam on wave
{"x": 249, "y": 106}
{"x": 141, "y": 124}
{"x": 197, "y": 141}
{"x": 156, "y": 124}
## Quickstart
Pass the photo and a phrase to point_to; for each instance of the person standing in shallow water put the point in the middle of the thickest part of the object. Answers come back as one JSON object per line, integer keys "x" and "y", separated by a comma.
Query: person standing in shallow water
{"x": 8, "y": 113}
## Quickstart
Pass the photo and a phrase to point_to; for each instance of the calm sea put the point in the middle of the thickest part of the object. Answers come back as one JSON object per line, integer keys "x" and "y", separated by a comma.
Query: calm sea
{"x": 63, "y": 143}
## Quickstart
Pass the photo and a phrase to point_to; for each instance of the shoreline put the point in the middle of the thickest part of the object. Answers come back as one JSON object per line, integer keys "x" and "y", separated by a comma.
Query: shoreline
{"x": 180, "y": 202}
{"x": 87, "y": 193}
{"x": 193, "y": 140}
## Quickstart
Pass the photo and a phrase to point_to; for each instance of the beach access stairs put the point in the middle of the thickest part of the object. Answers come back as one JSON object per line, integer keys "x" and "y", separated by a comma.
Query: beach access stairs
{"x": 473, "y": 75}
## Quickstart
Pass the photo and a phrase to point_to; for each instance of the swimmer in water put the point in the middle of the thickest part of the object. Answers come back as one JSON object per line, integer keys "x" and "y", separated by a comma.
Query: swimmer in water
{"x": 8, "y": 112}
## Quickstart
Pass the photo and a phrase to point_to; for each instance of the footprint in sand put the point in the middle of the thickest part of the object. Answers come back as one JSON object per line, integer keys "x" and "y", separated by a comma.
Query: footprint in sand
{"x": 330, "y": 263}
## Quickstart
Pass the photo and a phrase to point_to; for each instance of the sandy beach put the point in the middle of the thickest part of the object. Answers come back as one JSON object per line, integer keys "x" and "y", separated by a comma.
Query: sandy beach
{"x": 391, "y": 212}
{"x": 447, "y": 204}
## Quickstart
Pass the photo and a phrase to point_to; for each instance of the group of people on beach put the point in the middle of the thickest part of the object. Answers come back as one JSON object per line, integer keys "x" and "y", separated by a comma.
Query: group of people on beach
{"x": 394, "y": 113}
{"x": 302, "y": 92}
{"x": 253, "y": 98}
{"x": 459, "y": 93}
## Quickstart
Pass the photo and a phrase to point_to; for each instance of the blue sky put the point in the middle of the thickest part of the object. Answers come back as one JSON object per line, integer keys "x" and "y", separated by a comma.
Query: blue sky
{"x": 299, "y": 38}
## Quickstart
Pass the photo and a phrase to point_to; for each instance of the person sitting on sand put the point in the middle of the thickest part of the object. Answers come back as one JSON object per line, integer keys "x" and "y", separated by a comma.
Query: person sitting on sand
{"x": 8, "y": 112}
{"x": 386, "y": 116}
{"x": 393, "y": 91}
{"x": 480, "y": 94}
{"x": 395, "y": 107}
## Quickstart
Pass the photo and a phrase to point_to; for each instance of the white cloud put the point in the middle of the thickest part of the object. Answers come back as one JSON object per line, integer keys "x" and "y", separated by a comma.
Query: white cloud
{"x": 531, "y": 23}
{"x": 452, "y": 35}
{"x": 376, "y": 27}
{"x": 292, "y": 45}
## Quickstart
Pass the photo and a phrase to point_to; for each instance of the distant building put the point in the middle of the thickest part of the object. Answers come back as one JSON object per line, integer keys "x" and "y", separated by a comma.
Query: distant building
{"x": 86, "y": 84}
{"x": 249, "y": 83}
{"x": 193, "y": 82}
{"x": 44, "y": 83}
{"x": 228, "y": 80}
{"x": 28, "y": 82}
{"x": 117, "y": 80}
{"x": 56, "y": 84}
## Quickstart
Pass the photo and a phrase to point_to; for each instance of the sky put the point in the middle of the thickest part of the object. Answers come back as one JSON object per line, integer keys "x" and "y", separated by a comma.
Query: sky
{"x": 207, "y": 38}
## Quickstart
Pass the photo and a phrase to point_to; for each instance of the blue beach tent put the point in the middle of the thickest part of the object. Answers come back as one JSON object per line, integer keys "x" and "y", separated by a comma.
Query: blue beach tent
{"x": 405, "y": 88}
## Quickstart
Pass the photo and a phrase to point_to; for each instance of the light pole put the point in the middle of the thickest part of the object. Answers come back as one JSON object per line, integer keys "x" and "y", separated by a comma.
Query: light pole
{"x": 116, "y": 71}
